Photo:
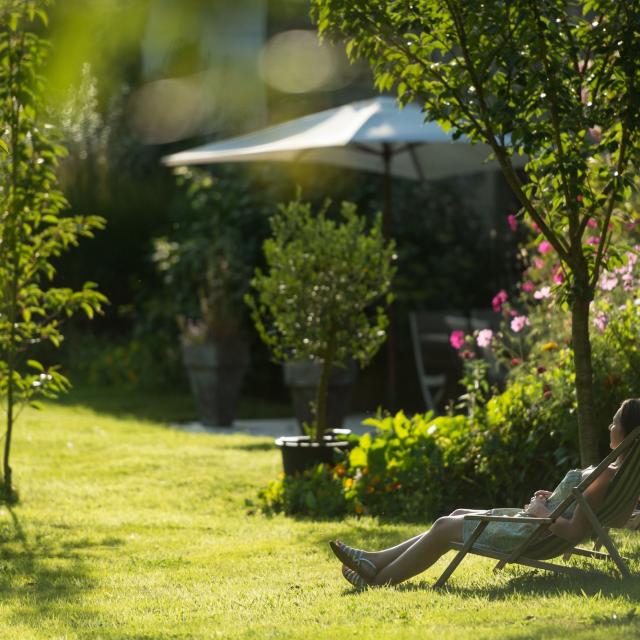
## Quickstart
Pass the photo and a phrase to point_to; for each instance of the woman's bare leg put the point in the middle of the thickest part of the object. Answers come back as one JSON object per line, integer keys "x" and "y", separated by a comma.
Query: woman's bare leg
{"x": 428, "y": 548}
{"x": 382, "y": 558}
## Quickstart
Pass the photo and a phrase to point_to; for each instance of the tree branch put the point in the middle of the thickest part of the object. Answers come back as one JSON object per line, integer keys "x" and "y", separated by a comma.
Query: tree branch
{"x": 499, "y": 150}
{"x": 553, "y": 99}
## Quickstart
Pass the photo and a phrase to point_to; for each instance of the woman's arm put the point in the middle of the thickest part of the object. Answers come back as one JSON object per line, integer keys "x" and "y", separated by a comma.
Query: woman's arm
{"x": 575, "y": 528}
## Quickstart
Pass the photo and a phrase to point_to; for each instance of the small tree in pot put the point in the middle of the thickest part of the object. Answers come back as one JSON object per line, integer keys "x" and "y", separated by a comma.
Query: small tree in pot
{"x": 206, "y": 264}
{"x": 323, "y": 297}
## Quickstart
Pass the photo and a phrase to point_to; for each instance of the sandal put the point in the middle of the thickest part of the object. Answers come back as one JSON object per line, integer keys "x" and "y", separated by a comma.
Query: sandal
{"x": 354, "y": 578}
{"x": 352, "y": 558}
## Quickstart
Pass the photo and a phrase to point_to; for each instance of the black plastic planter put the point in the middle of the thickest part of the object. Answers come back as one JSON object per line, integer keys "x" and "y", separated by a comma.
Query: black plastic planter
{"x": 302, "y": 452}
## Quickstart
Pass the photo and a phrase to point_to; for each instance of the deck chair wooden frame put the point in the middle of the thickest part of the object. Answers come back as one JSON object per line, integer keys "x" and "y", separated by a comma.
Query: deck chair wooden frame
{"x": 621, "y": 497}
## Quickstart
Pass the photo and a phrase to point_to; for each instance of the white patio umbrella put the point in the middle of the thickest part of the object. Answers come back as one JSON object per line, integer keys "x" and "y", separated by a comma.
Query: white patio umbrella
{"x": 373, "y": 135}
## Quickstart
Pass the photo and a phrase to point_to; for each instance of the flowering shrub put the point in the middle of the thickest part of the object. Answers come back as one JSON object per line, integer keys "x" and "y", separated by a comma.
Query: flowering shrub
{"x": 534, "y": 342}
{"x": 420, "y": 467}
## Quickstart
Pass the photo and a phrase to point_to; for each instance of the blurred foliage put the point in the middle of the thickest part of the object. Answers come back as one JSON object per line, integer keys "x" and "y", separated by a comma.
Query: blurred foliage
{"x": 97, "y": 50}
{"x": 142, "y": 362}
{"x": 209, "y": 257}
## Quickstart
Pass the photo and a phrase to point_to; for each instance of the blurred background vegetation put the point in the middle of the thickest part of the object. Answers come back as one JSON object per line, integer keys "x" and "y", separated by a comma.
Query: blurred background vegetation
{"x": 133, "y": 80}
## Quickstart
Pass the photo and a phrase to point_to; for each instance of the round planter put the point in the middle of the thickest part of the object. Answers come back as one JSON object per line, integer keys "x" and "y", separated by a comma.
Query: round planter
{"x": 216, "y": 372}
{"x": 303, "y": 379}
{"x": 302, "y": 452}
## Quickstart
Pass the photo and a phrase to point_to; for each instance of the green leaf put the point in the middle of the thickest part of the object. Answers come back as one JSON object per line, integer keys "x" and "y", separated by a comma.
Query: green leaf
{"x": 88, "y": 309}
{"x": 357, "y": 458}
{"x": 34, "y": 364}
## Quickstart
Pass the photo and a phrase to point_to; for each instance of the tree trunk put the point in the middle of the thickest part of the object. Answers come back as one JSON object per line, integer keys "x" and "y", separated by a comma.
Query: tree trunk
{"x": 323, "y": 387}
{"x": 587, "y": 427}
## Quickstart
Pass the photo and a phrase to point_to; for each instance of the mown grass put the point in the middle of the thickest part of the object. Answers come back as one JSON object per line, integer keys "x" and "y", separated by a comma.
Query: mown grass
{"x": 127, "y": 528}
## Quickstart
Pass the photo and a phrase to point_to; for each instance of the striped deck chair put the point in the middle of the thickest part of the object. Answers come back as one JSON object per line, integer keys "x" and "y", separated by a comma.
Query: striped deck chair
{"x": 619, "y": 502}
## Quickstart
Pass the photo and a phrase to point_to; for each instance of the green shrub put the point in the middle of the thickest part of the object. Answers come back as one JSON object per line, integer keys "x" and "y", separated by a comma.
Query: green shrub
{"x": 145, "y": 362}
{"x": 316, "y": 492}
{"x": 420, "y": 467}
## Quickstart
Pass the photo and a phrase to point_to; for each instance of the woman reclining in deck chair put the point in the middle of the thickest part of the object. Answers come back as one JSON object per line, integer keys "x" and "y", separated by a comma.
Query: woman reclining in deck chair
{"x": 397, "y": 564}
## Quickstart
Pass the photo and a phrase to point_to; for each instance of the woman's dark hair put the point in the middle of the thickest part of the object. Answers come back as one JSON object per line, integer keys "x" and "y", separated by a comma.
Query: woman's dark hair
{"x": 630, "y": 415}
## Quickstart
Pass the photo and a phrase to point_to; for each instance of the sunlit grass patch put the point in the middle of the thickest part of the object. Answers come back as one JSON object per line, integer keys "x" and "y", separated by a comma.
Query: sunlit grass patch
{"x": 130, "y": 529}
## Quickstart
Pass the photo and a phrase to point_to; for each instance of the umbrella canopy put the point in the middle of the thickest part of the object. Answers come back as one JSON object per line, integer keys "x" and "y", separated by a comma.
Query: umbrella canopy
{"x": 371, "y": 135}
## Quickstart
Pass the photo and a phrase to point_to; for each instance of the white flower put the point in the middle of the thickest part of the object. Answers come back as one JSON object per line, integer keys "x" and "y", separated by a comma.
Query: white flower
{"x": 543, "y": 293}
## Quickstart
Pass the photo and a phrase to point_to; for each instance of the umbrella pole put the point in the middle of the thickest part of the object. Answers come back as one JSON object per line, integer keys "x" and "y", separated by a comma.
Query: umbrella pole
{"x": 391, "y": 334}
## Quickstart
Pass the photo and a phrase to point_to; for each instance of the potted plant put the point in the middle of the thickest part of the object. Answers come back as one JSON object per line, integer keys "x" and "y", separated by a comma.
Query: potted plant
{"x": 322, "y": 299}
{"x": 207, "y": 264}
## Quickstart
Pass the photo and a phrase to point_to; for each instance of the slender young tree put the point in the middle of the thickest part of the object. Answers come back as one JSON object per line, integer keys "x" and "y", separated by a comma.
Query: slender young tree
{"x": 558, "y": 81}
{"x": 33, "y": 229}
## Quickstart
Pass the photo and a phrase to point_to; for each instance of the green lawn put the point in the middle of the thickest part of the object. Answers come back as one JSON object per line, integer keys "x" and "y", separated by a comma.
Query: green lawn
{"x": 129, "y": 529}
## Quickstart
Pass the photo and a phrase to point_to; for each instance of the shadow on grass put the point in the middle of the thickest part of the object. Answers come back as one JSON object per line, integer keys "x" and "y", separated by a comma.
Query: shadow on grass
{"x": 536, "y": 585}
{"x": 43, "y": 581}
{"x": 163, "y": 407}
{"x": 169, "y": 406}
{"x": 544, "y": 584}
{"x": 250, "y": 446}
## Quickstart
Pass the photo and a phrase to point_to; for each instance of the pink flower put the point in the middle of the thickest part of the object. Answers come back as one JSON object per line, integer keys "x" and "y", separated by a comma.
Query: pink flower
{"x": 484, "y": 338}
{"x": 601, "y": 321}
{"x": 528, "y": 286}
{"x": 513, "y": 223}
{"x": 538, "y": 262}
{"x": 544, "y": 247}
{"x": 584, "y": 95}
{"x": 628, "y": 282}
{"x": 558, "y": 276}
{"x": 519, "y": 323}
{"x": 592, "y": 223}
{"x": 596, "y": 133}
{"x": 543, "y": 293}
{"x": 608, "y": 282}
{"x": 456, "y": 339}
{"x": 593, "y": 240}
{"x": 498, "y": 300}
{"x": 535, "y": 227}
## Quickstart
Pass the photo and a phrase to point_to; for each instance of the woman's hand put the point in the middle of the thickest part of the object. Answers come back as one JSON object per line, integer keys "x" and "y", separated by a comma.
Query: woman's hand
{"x": 543, "y": 494}
{"x": 537, "y": 507}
